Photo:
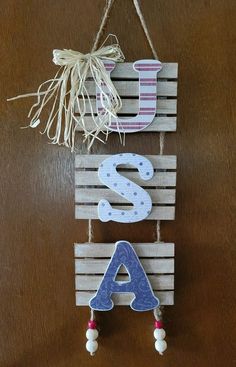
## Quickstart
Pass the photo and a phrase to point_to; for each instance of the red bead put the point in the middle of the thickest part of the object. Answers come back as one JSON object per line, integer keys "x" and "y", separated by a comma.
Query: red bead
{"x": 158, "y": 324}
{"x": 92, "y": 324}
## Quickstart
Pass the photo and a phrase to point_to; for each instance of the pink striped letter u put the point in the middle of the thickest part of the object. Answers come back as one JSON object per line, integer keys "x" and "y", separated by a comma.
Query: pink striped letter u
{"x": 147, "y": 71}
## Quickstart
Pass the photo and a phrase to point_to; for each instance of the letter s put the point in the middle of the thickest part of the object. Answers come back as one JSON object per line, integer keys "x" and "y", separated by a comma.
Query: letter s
{"x": 108, "y": 175}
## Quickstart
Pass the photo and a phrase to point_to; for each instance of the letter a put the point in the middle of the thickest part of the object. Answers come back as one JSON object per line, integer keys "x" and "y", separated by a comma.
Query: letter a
{"x": 138, "y": 284}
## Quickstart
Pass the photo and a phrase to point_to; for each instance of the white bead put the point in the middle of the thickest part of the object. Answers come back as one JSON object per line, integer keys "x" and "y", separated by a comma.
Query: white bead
{"x": 92, "y": 346}
{"x": 160, "y": 346}
{"x": 91, "y": 334}
{"x": 159, "y": 334}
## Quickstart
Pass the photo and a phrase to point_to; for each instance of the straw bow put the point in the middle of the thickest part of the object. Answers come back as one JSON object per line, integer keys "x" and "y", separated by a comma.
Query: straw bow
{"x": 67, "y": 93}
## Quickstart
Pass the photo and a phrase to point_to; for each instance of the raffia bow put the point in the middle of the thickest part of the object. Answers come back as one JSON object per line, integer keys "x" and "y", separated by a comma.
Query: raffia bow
{"x": 67, "y": 92}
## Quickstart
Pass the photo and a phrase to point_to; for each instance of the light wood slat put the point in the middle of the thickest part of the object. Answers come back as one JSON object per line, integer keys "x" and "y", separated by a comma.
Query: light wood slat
{"x": 129, "y": 88}
{"x": 157, "y": 213}
{"x": 90, "y": 178}
{"x": 131, "y": 106}
{"x": 94, "y": 161}
{"x": 125, "y": 70}
{"x": 165, "y": 196}
{"x": 166, "y": 298}
{"x": 165, "y": 123}
{"x": 99, "y": 266}
{"x": 92, "y": 282}
{"x": 107, "y": 249}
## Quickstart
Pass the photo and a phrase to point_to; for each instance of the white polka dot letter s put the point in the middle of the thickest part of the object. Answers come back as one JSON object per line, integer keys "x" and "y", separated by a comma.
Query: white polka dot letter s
{"x": 108, "y": 175}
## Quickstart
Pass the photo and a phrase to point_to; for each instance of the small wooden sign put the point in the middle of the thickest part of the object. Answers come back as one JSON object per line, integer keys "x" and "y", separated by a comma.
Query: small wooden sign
{"x": 91, "y": 261}
{"x": 89, "y": 190}
{"x": 126, "y": 82}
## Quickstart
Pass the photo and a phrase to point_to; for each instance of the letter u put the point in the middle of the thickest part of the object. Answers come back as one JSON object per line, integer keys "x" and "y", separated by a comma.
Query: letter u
{"x": 147, "y": 70}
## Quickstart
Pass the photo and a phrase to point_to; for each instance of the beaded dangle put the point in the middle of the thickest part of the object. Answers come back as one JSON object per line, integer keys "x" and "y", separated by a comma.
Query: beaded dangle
{"x": 92, "y": 335}
{"x": 159, "y": 332}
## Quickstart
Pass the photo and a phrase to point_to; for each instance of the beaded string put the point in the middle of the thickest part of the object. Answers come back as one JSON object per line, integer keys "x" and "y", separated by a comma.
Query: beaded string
{"x": 92, "y": 332}
{"x": 103, "y": 22}
{"x": 159, "y": 332}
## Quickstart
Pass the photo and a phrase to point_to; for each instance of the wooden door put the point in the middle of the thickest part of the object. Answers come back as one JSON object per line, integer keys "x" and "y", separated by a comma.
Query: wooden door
{"x": 40, "y": 325}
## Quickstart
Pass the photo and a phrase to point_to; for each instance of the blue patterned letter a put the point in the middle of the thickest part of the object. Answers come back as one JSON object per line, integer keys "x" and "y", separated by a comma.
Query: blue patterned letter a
{"x": 138, "y": 283}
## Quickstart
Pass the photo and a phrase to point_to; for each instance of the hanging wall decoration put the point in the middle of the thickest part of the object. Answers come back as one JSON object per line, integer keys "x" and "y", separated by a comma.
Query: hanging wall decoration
{"x": 99, "y": 94}
{"x": 128, "y": 188}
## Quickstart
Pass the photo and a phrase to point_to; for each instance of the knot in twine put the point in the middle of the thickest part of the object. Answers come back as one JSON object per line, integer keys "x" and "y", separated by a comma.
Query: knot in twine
{"x": 67, "y": 93}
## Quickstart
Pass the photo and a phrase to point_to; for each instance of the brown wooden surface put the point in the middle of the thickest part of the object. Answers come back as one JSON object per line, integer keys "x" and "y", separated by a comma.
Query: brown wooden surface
{"x": 40, "y": 325}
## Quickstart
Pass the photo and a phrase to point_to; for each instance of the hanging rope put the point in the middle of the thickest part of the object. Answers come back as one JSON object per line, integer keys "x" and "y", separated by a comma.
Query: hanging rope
{"x": 161, "y": 149}
{"x": 92, "y": 315}
{"x": 103, "y": 23}
{"x": 162, "y": 134}
{"x": 145, "y": 29}
{"x": 90, "y": 228}
{"x": 106, "y": 12}
{"x": 157, "y": 312}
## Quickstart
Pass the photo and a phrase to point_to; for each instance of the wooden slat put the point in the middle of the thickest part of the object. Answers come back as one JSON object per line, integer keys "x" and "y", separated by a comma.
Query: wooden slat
{"x": 90, "y": 178}
{"x": 90, "y": 195}
{"x": 107, "y": 249}
{"x": 92, "y": 282}
{"x": 99, "y": 266}
{"x": 125, "y": 71}
{"x": 94, "y": 160}
{"x": 166, "y": 298}
{"x": 131, "y": 88}
{"x": 157, "y": 213}
{"x": 131, "y": 106}
{"x": 165, "y": 123}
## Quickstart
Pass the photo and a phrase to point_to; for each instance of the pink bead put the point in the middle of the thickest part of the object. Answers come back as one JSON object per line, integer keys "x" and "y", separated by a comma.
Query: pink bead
{"x": 158, "y": 324}
{"x": 92, "y": 324}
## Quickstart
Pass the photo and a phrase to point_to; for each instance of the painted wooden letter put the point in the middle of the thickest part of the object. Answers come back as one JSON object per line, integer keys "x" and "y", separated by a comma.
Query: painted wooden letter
{"x": 147, "y": 70}
{"x": 138, "y": 284}
{"x": 108, "y": 175}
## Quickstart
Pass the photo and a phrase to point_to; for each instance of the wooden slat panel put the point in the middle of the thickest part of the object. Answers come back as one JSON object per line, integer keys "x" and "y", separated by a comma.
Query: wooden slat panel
{"x": 125, "y": 70}
{"x": 98, "y": 266}
{"x": 92, "y": 282}
{"x": 131, "y": 106}
{"x": 129, "y": 88}
{"x": 88, "y": 269}
{"x": 93, "y": 195}
{"x": 166, "y": 179}
{"x": 165, "y": 297}
{"x": 157, "y": 213}
{"x": 90, "y": 195}
{"x": 165, "y": 123}
{"x": 107, "y": 249}
{"x": 94, "y": 160}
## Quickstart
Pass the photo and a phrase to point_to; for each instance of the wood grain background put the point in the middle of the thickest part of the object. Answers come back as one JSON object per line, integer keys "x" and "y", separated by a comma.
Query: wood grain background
{"x": 40, "y": 325}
